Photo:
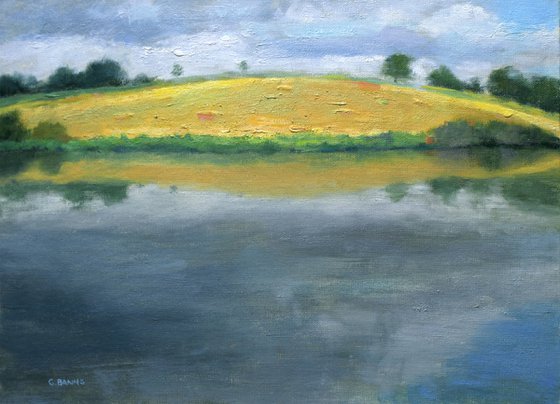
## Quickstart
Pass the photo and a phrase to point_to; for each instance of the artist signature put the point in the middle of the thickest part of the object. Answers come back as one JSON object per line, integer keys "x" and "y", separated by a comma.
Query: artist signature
{"x": 66, "y": 382}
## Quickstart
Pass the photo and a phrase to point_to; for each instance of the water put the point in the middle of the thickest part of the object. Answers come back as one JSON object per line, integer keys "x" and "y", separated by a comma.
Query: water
{"x": 444, "y": 289}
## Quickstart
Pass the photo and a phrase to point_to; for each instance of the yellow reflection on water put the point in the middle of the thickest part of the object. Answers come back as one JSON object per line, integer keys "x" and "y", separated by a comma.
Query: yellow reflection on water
{"x": 285, "y": 175}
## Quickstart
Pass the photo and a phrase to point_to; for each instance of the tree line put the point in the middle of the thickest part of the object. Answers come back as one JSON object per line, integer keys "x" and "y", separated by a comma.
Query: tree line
{"x": 506, "y": 82}
{"x": 99, "y": 73}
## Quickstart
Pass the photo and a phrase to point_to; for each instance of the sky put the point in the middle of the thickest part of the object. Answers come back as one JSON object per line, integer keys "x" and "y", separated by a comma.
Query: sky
{"x": 315, "y": 36}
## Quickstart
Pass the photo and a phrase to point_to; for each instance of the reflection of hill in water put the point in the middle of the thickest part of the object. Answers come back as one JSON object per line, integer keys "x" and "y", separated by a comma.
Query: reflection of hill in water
{"x": 523, "y": 177}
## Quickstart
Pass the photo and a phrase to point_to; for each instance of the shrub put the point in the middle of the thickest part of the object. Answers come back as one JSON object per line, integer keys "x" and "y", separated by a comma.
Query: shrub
{"x": 11, "y": 127}
{"x": 500, "y": 133}
{"x": 455, "y": 134}
{"x": 50, "y": 131}
{"x": 461, "y": 134}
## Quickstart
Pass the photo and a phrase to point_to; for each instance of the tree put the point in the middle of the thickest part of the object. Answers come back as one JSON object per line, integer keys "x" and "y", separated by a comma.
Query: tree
{"x": 31, "y": 83}
{"x": 17, "y": 84}
{"x": 509, "y": 83}
{"x": 142, "y": 78}
{"x": 104, "y": 72}
{"x": 63, "y": 78}
{"x": 545, "y": 93}
{"x": 243, "y": 67}
{"x": 177, "y": 70}
{"x": 397, "y": 66}
{"x": 474, "y": 85}
{"x": 11, "y": 85}
{"x": 444, "y": 77}
{"x": 11, "y": 127}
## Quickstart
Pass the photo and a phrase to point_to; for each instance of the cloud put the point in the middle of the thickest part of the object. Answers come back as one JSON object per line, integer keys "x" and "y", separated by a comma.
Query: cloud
{"x": 314, "y": 35}
{"x": 363, "y": 65}
{"x": 140, "y": 10}
{"x": 422, "y": 67}
{"x": 42, "y": 56}
{"x": 204, "y": 53}
{"x": 473, "y": 68}
{"x": 304, "y": 12}
{"x": 466, "y": 20}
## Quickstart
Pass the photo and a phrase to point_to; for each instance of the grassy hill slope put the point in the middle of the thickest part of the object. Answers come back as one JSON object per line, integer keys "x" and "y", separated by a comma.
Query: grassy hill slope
{"x": 267, "y": 106}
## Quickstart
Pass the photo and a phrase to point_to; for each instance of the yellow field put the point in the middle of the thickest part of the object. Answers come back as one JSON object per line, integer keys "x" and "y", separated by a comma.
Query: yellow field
{"x": 269, "y": 106}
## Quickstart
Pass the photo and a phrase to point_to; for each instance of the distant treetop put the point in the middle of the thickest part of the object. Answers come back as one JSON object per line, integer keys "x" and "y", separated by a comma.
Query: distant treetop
{"x": 444, "y": 77}
{"x": 243, "y": 66}
{"x": 177, "y": 70}
{"x": 397, "y": 66}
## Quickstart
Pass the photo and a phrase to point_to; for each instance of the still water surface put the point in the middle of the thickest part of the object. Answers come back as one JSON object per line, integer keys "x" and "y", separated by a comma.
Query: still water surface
{"x": 437, "y": 290}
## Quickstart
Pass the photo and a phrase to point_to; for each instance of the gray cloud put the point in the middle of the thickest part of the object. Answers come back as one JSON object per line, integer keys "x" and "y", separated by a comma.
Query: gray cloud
{"x": 138, "y": 21}
{"x": 271, "y": 34}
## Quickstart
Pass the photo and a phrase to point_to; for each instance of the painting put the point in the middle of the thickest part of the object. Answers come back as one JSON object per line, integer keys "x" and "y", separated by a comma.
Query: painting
{"x": 279, "y": 201}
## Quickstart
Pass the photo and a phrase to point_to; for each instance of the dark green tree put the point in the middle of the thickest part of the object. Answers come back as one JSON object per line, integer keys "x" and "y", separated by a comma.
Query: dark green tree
{"x": 444, "y": 77}
{"x": 104, "y": 72}
{"x": 177, "y": 70}
{"x": 142, "y": 78}
{"x": 11, "y": 127}
{"x": 509, "y": 83}
{"x": 11, "y": 85}
{"x": 64, "y": 78}
{"x": 474, "y": 85}
{"x": 545, "y": 93}
{"x": 31, "y": 83}
{"x": 243, "y": 67}
{"x": 397, "y": 66}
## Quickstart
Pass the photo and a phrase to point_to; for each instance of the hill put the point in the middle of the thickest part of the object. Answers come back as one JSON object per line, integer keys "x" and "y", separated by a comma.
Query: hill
{"x": 268, "y": 106}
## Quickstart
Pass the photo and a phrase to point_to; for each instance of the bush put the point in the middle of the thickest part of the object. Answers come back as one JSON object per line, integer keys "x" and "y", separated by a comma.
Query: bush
{"x": 461, "y": 134}
{"x": 11, "y": 127}
{"x": 455, "y": 134}
{"x": 50, "y": 131}
{"x": 444, "y": 77}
